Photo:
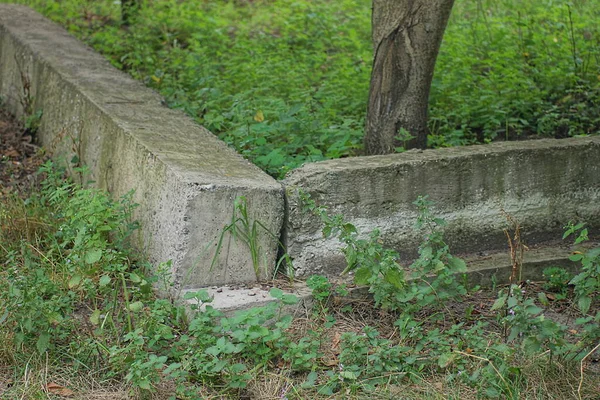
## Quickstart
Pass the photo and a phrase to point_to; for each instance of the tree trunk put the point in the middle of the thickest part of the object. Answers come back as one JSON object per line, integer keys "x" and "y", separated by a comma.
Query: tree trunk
{"x": 406, "y": 39}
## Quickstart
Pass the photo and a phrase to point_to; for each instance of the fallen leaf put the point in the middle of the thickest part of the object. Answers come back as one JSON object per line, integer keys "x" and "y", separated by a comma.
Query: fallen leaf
{"x": 335, "y": 342}
{"x": 330, "y": 362}
{"x": 259, "y": 116}
{"x": 59, "y": 390}
{"x": 12, "y": 153}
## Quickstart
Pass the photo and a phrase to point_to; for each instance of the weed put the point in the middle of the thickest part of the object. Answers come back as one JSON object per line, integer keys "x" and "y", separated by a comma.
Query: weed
{"x": 587, "y": 282}
{"x": 557, "y": 280}
{"x": 249, "y": 232}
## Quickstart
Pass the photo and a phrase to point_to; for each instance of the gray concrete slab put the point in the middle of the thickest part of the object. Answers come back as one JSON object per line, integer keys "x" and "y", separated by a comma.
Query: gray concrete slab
{"x": 185, "y": 179}
{"x": 543, "y": 184}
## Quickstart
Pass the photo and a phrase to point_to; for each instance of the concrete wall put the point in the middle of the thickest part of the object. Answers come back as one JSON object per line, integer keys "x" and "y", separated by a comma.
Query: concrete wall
{"x": 542, "y": 183}
{"x": 185, "y": 179}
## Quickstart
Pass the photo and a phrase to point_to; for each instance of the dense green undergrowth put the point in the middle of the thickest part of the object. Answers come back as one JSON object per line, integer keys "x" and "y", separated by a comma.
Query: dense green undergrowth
{"x": 285, "y": 82}
{"x": 69, "y": 297}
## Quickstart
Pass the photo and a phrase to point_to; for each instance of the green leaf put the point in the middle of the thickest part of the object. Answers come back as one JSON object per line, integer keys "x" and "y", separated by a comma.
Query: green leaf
{"x": 289, "y": 299}
{"x": 311, "y": 379}
{"x": 136, "y": 306}
{"x": 543, "y": 298}
{"x": 75, "y": 281}
{"x": 276, "y": 293}
{"x": 395, "y": 278}
{"x": 457, "y": 264}
{"x": 362, "y": 275}
{"x": 43, "y": 342}
{"x": 348, "y": 375}
{"x": 104, "y": 280}
{"x": 533, "y": 310}
{"x": 92, "y": 256}
{"x": 135, "y": 278}
{"x": 584, "y": 304}
{"x": 531, "y": 345}
{"x": 237, "y": 368}
{"x": 95, "y": 317}
{"x": 144, "y": 384}
{"x": 499, "y": 303}
{"x": 446, "y": 359}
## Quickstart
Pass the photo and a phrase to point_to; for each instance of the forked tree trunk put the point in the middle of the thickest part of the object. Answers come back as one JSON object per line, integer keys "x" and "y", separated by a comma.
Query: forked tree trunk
{"x": 406, "y": 39}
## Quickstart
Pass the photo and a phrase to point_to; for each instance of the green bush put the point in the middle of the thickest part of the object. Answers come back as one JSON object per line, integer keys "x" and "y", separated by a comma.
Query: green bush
{"x": 286, "y": 82}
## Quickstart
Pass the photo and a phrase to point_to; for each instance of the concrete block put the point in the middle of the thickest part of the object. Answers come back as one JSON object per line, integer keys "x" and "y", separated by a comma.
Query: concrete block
{"x": 543, "y": 184}
{"x": 185, "y": 179}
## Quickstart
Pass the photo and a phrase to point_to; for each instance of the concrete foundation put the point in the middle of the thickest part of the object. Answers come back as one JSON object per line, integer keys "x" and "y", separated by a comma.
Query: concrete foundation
{"x": 185, "y": 179}
{"x": 541, "y": 184}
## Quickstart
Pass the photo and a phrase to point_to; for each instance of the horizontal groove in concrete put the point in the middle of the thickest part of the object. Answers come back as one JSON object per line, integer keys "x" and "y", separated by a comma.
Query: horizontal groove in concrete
{"x": 485, "y": 270}
{"x": 185, "y": 179}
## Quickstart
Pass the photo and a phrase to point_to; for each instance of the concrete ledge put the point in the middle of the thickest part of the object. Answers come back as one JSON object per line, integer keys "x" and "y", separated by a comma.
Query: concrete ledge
{"x": 185, "y": 179}
{"x": 542, "y": 183}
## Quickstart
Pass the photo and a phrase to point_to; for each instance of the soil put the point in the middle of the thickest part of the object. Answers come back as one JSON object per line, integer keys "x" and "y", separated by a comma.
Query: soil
{"x": 20, "y": 158}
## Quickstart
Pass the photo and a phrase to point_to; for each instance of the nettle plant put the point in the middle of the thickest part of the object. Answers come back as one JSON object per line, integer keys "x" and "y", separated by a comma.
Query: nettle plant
{"x": 431, "y": 278}
{"x": 467, "y": 348}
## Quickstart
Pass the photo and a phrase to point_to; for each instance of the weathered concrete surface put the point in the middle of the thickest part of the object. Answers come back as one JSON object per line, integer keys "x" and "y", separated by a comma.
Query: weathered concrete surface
{"x": 185, "y": 179}
{"x": 543, "y": 184}
{"x": 231, "y": 299}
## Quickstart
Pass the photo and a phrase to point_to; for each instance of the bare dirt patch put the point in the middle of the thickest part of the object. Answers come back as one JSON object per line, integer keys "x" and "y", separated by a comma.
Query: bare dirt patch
{"x": 20, "y": 158}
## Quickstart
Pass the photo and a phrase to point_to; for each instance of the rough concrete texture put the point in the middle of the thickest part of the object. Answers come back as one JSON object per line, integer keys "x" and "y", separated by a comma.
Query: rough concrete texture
{"x": 543, "y": 184}
{"x": 230, "y": 299}
{"x": 185, "y": 179}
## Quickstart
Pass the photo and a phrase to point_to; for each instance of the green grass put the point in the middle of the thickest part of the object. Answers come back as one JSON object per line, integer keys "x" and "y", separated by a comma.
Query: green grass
{"x": 285, "y": 82}
{"x": 78, "y": 310}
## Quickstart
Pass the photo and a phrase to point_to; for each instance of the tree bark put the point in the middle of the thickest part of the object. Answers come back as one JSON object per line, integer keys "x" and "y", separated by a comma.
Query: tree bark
{"x": 406, "y": 39}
